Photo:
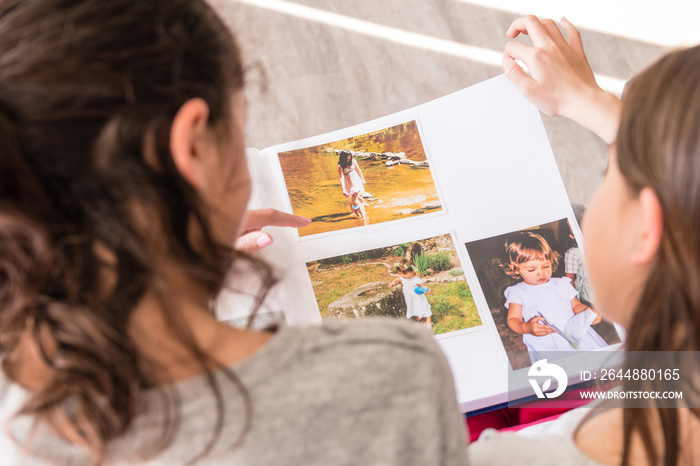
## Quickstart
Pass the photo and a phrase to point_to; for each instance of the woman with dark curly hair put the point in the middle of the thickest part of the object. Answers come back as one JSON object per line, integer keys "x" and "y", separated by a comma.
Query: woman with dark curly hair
{"x": 123, "y": 186}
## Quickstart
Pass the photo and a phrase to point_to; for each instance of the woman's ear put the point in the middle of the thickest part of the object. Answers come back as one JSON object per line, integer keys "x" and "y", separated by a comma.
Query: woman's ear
{"x": 651, "y": 227}
{"x": 189, "y": 141}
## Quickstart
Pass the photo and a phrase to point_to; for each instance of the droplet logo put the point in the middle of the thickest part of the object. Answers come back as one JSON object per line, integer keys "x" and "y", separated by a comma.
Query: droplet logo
{"x": 542, "y": 369}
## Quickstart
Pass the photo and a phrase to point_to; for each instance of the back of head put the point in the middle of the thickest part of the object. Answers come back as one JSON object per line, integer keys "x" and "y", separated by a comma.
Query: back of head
{"x": 88, "y": 90}
{"x": 658, "y": 146}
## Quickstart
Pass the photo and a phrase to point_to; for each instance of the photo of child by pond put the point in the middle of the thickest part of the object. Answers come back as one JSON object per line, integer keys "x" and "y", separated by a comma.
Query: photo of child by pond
{"x": 421, "y": 280}
{"x": 537, "y": 290}
{"x": 363, "y": 180}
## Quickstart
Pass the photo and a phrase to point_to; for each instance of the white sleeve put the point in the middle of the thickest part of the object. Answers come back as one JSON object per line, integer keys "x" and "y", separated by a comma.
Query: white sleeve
{"x": 513, "y": 295}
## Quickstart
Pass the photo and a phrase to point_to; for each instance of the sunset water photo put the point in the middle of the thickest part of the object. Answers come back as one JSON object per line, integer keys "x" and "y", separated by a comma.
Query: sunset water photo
{"x": 368, "y": 179}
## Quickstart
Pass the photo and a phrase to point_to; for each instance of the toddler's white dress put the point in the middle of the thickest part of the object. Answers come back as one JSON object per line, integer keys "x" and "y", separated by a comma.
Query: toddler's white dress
{"x": 417, "y": 305}
{"x": 553, "y": 301}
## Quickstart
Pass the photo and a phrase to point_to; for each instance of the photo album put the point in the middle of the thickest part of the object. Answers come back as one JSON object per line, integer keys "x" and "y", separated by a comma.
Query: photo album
{"x": 452, "y": 215}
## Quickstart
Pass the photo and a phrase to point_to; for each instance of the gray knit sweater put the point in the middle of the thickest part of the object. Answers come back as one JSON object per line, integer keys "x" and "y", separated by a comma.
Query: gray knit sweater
{"x": 371, "y": 392}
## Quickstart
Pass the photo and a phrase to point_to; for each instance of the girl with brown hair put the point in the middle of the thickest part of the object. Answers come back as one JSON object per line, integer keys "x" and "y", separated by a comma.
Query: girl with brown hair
{"x": 642, "y": 246}
{"x": 123, "y": 185}
{"x": 539, "y": 305}
{"x": 350, "y": 174}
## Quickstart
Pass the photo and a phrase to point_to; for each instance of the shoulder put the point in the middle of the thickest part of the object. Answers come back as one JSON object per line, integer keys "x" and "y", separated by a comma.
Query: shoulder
{"x": 12, "y": 398}
{"x": 549, "y": 443}
{"x": 377, "y": 333}
{"x": 517, "y": 286}
{"x": 345, "y": 379}
{"x": 368, "y": 359}
{"x": 514, "y": 290}
{"x": 372, "y": 352}
{"x": 512, "y": 448}
{"x": 560, "y": 281}
{"x": 563, "y": 283}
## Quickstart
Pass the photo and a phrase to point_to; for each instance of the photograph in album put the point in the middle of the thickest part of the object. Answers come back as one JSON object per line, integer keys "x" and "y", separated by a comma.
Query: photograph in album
{"x": 421, "y": 280}
{"x": 363, "y": 180}
{"x": 538, "y": 293}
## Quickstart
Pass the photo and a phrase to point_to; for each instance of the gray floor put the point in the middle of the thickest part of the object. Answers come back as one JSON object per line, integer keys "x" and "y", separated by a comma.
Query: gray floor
{"x": 308, "y": 78}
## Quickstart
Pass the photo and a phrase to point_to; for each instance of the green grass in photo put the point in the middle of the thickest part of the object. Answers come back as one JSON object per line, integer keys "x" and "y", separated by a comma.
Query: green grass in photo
{"x": 453, "y": 307}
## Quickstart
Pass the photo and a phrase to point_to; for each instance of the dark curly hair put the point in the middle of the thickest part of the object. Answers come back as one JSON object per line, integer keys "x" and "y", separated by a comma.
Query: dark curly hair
{"x": 88, "y": 91}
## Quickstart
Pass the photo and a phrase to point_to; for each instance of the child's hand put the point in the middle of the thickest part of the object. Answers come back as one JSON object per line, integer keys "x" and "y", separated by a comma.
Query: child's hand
{"x": 538, "y": 329}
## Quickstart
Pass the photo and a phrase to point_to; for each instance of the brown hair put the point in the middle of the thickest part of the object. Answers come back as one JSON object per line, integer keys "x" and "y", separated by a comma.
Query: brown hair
{"x": 88, "y": 90}
{"x": 523, "y": 247}
{"x": 658, "y": 146}
{"x": 345, "y": 158}
{"x": 405, "y": 266}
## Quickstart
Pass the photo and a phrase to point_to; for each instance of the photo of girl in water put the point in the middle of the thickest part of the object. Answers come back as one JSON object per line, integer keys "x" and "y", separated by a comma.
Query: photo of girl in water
{"x": 367, "y": 179}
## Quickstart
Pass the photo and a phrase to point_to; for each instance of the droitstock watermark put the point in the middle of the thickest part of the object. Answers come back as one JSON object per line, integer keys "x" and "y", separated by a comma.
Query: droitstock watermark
{"x": 569, "y": 379}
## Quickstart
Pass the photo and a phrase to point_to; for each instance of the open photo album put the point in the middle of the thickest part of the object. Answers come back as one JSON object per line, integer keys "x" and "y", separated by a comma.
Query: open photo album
{"x": 451, "y": 214}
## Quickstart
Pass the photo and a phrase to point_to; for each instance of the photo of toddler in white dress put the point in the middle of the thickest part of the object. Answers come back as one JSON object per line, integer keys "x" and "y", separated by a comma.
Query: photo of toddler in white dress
{"x": 417, "y": 305}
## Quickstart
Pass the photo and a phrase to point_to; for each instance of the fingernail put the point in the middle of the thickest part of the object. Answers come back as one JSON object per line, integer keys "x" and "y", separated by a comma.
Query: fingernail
{"x": 306, "y": 219}
{"x": 263, "y": 241}
{"x": 563, "y": 20}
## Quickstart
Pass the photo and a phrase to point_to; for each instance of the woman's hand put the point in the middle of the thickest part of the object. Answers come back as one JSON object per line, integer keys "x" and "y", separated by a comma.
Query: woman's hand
{"x": 252, "y": 239}
{"x": 538, "y": 329}
{"x": 561, "y": 82}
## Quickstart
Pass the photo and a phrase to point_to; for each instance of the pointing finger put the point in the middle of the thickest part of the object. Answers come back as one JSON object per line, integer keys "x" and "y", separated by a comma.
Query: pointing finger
{"x": 271, "y": 217}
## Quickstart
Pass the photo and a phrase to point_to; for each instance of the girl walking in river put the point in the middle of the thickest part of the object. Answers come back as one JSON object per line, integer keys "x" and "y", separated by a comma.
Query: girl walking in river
{"x": 350, "y": 173}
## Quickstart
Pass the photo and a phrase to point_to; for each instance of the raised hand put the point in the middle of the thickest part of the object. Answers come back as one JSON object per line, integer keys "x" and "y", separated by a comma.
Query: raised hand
{"x": 561, "y": 81}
